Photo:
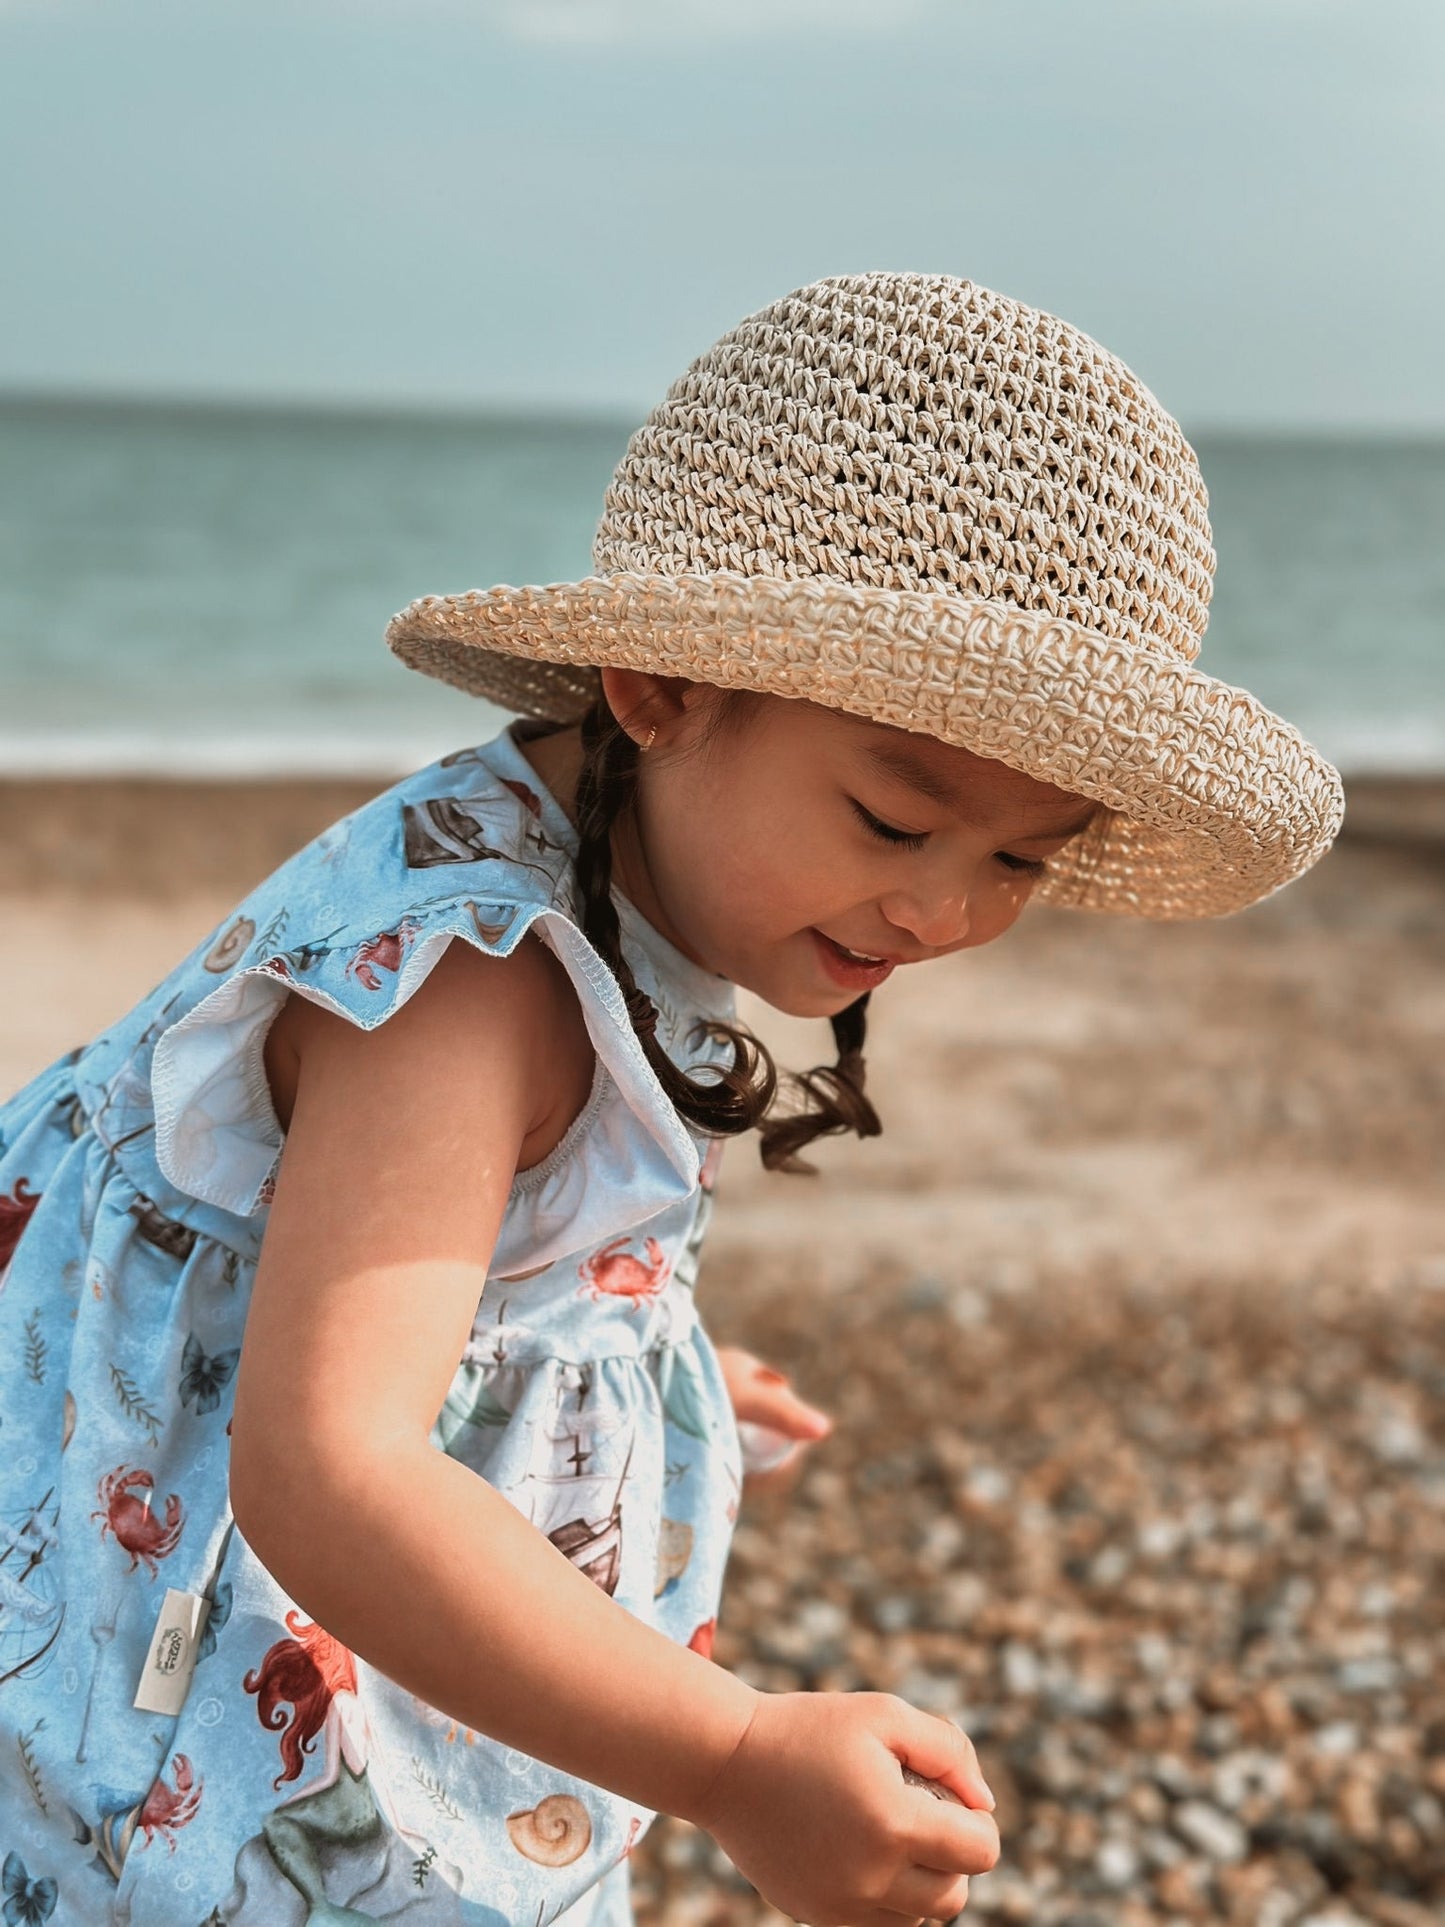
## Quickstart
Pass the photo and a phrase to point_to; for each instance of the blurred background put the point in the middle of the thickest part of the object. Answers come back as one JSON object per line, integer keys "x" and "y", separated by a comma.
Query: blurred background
{"x": 1132, "y": 1319}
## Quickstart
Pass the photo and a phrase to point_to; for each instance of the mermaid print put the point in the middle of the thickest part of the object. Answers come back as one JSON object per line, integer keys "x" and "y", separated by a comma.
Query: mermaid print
{"x": 323, "y": 1840}
{"x": 299, "y": 1787}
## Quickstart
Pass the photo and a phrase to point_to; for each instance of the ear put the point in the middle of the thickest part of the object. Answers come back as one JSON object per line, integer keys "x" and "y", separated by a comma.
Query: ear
{"x": 638, "y": 699}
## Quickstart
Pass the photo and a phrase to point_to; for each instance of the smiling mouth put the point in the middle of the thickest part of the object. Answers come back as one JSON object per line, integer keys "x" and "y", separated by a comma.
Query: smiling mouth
{"x": 861, "y": 956}
{"x": 856, "y": 967}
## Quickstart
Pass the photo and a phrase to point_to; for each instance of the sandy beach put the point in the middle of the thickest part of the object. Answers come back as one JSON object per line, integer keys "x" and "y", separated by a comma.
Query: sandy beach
{"x": 1133, "y": 1322}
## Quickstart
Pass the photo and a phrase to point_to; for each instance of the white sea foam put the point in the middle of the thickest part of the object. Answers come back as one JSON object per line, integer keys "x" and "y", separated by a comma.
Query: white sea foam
{"x": 205, "y": 594}
{"x": 1413, "y": 747}
{"x": 93, "y": 754}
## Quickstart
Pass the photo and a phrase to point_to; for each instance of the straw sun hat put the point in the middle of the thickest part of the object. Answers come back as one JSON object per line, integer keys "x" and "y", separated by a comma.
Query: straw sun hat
{"x": 907, "y": 497}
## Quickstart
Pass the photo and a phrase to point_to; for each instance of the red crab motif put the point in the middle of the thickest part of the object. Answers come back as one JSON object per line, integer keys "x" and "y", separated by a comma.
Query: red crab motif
{"x": 166, "y": 1808}
{"x": 385, "y": 952}
{"x": 137, "y": 1529}
{"x": 614, "y": 1269}
{"x": 703, "y": 1637}
{"x": 527, "y": 797}
{"x": 16, "y": 1210}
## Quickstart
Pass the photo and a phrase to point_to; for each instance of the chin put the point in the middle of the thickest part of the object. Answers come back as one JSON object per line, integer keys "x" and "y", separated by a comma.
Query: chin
{"x": 814, "y": 1004}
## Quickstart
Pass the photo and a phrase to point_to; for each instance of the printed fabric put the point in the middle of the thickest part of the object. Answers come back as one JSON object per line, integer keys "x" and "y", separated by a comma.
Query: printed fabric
{"x": 298, "y": 1786}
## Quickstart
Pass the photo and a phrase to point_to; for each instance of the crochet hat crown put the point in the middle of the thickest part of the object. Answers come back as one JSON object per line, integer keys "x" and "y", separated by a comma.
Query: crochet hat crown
{"x": 922, "y": 502}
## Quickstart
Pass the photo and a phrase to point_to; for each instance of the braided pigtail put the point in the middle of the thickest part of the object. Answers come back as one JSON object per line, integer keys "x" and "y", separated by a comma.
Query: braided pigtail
{"x": 741, "y": 1094}
{"x": 837, "y": 1092}
{"x": 605, "y": 785}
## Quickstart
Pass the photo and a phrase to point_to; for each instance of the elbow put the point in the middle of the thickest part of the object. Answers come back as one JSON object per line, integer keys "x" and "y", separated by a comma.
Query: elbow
{"x": 281, "y": 1502}
{"x": 298, "y": 1498}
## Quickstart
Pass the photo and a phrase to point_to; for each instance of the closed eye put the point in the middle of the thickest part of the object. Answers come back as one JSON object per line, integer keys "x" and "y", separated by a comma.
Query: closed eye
{"x": 1033, "y": 866}
{"x": 885, "y": 833}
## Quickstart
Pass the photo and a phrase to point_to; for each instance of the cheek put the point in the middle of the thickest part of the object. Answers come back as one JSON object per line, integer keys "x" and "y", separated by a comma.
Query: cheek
{"x": 999, "y": 911}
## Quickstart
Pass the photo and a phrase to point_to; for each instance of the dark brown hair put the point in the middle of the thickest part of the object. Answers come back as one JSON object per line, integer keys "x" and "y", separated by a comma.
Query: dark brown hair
{"x": 742, "y": 1094}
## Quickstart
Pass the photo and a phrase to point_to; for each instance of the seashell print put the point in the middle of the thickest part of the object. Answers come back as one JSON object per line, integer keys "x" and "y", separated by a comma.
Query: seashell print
{"x": 68, "y": 1430}
{"x": 230, "y": 945}
{"x": 674, "y": 1549}
{"x": 490, "y": 932}
{"x": 554, "y": 1833}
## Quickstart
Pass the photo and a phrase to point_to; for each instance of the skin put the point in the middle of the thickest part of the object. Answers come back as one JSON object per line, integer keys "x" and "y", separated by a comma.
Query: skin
{"x": 735, "y": 851}
{"x": 376, "y": 1253}
{"x": 703, "y": 861}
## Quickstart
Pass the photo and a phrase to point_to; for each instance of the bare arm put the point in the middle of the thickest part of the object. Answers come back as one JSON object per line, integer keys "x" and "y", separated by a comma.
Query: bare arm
{"x": 401, "y": 1150}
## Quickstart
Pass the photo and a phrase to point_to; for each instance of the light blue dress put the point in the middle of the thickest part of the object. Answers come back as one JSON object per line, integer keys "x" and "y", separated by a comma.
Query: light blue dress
{"x": 297, "y": 1786}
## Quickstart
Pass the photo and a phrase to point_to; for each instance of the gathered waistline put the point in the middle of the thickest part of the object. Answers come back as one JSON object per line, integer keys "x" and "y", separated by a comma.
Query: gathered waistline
{"x": 521, "y": 1347}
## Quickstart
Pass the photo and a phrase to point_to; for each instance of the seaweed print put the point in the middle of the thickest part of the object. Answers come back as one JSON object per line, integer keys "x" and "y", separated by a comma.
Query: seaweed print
{"x": 16, "y": 1210}
{"x": 137, "y": 1530}
{"x": 203, "y": 1379}
{"x": 383, "y": 952}
{"x": 28, "y": 1903}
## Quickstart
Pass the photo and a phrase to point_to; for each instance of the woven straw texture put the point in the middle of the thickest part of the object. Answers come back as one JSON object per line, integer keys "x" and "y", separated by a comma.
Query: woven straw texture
{"x": 911, "y": 498}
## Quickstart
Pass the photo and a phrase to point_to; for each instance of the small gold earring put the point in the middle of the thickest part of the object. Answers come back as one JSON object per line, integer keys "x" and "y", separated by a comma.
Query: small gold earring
{"x": 650, "y": 734}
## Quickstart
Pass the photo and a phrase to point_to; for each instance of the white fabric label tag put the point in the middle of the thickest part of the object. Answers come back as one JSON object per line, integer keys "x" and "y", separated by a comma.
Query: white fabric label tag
{"x": 166, "y": 1676}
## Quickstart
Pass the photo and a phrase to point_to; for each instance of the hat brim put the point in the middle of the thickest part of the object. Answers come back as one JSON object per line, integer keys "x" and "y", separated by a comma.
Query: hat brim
{"x": 1211, "y": 801}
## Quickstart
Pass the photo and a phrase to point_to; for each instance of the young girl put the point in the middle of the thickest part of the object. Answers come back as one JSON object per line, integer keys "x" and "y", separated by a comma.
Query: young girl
{"x": 365, "y": 1505}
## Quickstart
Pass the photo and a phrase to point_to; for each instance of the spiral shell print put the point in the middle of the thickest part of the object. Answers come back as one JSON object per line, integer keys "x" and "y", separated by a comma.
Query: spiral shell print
{"x": 230, "y": 946}
{"x": 557, "y": 1831}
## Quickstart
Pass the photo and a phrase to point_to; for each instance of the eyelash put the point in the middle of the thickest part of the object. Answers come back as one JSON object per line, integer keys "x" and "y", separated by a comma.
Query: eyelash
{"x": 914, "y": 839}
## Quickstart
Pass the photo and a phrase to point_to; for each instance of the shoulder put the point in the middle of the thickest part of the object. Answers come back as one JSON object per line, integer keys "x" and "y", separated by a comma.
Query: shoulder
{"x": 511, "y": 1018}
{"x": 509, "y": 1024}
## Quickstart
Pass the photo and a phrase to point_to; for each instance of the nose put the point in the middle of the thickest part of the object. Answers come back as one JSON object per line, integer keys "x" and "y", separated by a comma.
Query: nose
{"x": 937, "y": 920}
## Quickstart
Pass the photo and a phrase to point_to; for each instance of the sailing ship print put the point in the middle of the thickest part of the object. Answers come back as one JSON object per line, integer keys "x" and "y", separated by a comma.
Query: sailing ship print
{"x": 577, "y": 1500}
{"x": 31, "y": 1608}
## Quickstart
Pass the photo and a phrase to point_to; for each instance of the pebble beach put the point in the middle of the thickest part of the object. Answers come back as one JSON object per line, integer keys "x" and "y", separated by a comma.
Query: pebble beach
{"x": 1132, "y": 1324}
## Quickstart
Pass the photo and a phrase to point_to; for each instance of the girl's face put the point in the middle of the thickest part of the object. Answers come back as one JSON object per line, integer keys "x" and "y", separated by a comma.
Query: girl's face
{"x": 798, "y": 828}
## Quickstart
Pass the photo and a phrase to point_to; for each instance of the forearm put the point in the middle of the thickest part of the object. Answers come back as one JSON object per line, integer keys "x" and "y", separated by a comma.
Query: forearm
{"x": 432, "y": 1576}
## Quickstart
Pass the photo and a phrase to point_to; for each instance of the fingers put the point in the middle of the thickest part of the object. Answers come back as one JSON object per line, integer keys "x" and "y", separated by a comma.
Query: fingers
{"x": 762, "y": 1394}
{"x": 939, "y": 1750}
{"x": 922, "y": 1894}
{"x": 948, "y": 1841}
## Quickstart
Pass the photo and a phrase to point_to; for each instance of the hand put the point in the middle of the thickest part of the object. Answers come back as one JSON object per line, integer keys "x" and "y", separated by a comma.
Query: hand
{"x": 813, "y": 1807}
{"x": 762, "y": 1395}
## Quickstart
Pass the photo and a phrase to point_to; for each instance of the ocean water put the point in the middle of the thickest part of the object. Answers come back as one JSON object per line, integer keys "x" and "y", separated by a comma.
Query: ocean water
{"x": 204, "y": 590}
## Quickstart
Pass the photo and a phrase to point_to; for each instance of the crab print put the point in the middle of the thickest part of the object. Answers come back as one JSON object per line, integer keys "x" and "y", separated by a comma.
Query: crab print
{"x": 524, "y": 794}
{"x": 166, "y": 1808}
{"x": 16, "y": 1211}
{"x": 383, "y": 952}
{"x": 137, "y": 1529}
{"x": 614, "y": 1270}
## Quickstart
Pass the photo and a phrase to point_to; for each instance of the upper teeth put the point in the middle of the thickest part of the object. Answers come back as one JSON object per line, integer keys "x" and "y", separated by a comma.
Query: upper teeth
{"x": 858, "y": 954}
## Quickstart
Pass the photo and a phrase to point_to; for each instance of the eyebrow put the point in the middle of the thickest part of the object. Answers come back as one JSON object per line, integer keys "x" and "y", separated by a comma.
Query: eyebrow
{"x": 911, "y": 768}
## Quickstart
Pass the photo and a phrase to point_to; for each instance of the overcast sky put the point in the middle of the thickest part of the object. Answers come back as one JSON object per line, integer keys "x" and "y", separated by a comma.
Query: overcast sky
{"x": 559, "y": 203}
